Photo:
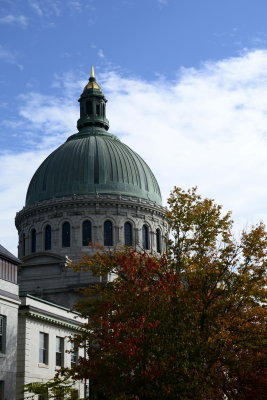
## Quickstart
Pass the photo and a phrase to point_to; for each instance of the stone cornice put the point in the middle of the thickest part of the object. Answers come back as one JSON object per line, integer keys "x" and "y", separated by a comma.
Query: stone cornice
{"x": 74, "y": 202}
{"x": 32, "y": 312}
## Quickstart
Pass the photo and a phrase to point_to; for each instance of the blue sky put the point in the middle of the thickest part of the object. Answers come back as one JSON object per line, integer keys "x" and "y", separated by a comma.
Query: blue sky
{"x": 189, "y": 77}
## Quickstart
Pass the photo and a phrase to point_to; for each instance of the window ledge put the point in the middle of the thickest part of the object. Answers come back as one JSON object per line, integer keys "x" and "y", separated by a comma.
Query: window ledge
{"x": 41, "y": 365}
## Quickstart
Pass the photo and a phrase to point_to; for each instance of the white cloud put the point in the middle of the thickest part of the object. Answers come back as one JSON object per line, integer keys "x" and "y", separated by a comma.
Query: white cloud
{"x": 206, "y": 128}
{"x": 14, "y": 19}
{"x": 75, "y": 5}
{"x": 17, "y": 171}
{"x": 46, "y": 8}
{"x": 100, "y": 53}
{"x": 9, "y": 57}
{"x": 162, "y": 2}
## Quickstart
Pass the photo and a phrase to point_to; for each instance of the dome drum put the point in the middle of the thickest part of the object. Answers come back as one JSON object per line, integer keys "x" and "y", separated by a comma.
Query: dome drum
{"x": 96, "y": 209}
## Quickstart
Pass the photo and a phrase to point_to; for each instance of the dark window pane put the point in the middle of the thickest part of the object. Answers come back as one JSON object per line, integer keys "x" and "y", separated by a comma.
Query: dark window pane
{"x": 74, "y": 394}
{"x": 145, "y": 238}
{"x": 158, "y": 240}
{"x": 59, "y": 351}
{"x": 59, "y": 394}
{"x": 98, "y": 109}
{"x": 41, "y": 397}
{"x": 43, "y": 348}
{"x": 33, "y": 241}
{"x": 128, "y": 234}
{"x": 2, "y": 333}
{"x": 2, "y": 390}
{"x": 108, "y": 233}
{"x": 66, "y": 234}
{"x": 89, "y": 108}
{"x": 48, "y": 237}
{"x": 74, "y": 355}
{"x": 87, "y": 233}
{"x": 23, "y": 244}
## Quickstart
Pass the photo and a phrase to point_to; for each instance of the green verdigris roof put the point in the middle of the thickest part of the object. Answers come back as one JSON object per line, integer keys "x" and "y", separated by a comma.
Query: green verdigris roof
{"x": 93, "y": 161}
{"x": 90, "y": 163}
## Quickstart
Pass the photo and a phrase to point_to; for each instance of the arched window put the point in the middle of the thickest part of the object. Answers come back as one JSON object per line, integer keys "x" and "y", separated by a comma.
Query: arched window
{"x": 48, "y": 237}
{"x": 145, "y": 238}
{"x": 158, "y": 240}
{"x": 128, "y": 234}
{"x": 66, "y": 234}
{"x": 108, "y": 233}
{"x": 89, "y": 108}
{"x": 23, "y": 244}
{"x": 33, "y": 240}
{"x": 87, "y": 233}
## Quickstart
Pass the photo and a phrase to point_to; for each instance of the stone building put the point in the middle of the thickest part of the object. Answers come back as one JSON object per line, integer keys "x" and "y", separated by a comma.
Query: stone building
{"x": 9, "y": 303}
{"x": 92, "y": 189}
{"x": 43, "y": 331}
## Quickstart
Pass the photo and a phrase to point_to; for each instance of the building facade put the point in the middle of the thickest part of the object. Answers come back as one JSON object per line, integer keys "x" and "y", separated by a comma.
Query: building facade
{"x": 43, "y": 342}
{"x": 9, "y": 304}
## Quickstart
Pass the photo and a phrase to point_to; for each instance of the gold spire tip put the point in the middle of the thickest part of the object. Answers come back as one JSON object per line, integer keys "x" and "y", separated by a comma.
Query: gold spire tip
{"x": 92, "y": 71}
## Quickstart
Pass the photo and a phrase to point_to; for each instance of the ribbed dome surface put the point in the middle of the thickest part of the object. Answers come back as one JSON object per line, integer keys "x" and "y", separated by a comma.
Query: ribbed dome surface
{"x": 93, "y": 163}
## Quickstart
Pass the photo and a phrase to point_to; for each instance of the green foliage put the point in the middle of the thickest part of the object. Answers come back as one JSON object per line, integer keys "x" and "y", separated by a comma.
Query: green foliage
{"x": 58, "y": 388}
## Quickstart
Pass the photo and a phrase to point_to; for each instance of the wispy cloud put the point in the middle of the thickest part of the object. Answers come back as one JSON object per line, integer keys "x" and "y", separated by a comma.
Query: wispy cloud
{"x": 46, "y": 8}
{"x": 162, "y": 2}
{"x": 208, "y": 127}
{"x": 100, "y": 53}
{"x": 75, "y": 5}
{"x": 9, "y": 57}
{"x": 11, "y": 19}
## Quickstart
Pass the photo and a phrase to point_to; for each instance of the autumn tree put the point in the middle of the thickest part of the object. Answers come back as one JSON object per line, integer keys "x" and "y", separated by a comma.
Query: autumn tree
{"x": 189, "y": 325}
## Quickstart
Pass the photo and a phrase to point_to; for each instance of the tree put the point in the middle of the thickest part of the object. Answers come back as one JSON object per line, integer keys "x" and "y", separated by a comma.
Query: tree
{"x": 187, "y": 325}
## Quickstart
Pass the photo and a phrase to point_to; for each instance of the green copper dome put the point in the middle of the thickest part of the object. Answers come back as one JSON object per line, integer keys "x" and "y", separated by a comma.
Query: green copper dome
{"x": 93, "y": 161}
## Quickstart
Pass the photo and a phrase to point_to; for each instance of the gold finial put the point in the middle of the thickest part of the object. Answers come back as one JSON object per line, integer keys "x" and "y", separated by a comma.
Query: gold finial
{"x": 92, "y": 72}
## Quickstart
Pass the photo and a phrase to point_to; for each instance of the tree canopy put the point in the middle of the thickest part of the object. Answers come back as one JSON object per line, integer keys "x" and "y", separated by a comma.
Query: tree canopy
{"x": 186, "y": 325}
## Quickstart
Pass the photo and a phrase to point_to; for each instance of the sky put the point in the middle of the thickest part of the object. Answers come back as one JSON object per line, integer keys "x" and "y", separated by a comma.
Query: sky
{"x": 186, "y": 83}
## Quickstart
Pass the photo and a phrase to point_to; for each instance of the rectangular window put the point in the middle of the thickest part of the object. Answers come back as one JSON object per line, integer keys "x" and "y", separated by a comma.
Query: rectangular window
{"x": 74, "y": 395}
{"x": 74, "y": 355}
{"x": 1, "y": 390}
{"x": 43, "y": 348}
{"x": 59, "y": 351}
{"x": 86, "y": 391}
{"x": 89, "y": 108}
{"x": 2, "y": 333}
{"x": 59, "y": 394}
{"x": 42, "y": 397}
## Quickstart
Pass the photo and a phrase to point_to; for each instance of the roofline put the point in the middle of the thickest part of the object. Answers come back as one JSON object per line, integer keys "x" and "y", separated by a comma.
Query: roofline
{"x": 9, "y": 256}
{"x": 51, "y": 304}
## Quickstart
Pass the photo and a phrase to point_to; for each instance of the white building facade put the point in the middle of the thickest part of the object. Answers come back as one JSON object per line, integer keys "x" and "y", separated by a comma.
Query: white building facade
{"x": 43, "y": 343}
{"x": 9, "y": 303}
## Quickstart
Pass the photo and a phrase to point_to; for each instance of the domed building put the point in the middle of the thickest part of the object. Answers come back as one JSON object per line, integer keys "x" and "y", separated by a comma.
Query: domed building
{"x": 92, "y": 189}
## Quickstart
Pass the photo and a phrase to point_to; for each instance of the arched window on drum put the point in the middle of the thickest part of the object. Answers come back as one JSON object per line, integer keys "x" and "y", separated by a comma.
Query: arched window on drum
{"x": 33, "y": 240}
{"x": 145, "y": 237}
{"x": 158, "y": 240}
{"x": 48, "y": 237}
{"x": 66, "y": 234}
{"x": 128, "y": 234}
{"x": 87, "y": 233}
{"x": 23, "y": 244}
{"x": 108, "y": 233}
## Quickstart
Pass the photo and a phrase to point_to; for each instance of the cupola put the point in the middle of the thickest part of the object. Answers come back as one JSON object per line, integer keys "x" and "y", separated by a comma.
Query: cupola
{"x": 92, "y": 106}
